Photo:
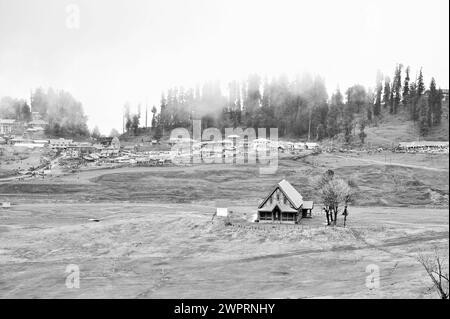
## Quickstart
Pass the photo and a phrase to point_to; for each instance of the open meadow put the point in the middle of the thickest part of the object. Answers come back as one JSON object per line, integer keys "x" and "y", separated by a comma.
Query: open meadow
{"x": 155, "y": 238}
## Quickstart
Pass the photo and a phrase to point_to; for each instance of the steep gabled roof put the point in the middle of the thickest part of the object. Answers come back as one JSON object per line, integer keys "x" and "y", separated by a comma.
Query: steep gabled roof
{"x": 289, "y": 191}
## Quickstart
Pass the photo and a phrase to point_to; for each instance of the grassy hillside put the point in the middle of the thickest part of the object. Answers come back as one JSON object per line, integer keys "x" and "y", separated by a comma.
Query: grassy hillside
{"x": 386, "y": 131}
{"x": 389, "y": 130}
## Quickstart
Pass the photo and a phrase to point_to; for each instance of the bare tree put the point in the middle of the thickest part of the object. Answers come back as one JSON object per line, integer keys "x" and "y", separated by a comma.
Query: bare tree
{"x": 334, "y": 192}
{"x": 436, "y": 267}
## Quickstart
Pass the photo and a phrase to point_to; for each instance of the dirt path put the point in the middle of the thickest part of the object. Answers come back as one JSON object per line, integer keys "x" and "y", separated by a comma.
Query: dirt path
{"x": 394, "y": 164}
{"x": 382, "y": 246}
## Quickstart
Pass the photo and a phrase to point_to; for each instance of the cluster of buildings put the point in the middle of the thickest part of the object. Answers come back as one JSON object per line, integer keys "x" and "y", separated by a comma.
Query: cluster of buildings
{"x": 234, "y": 145}
{"x": 423, "y": 147}
{"x": 32, "y": 129}
{"x": 107, "y": 150}
{"x": 101, "y": 148}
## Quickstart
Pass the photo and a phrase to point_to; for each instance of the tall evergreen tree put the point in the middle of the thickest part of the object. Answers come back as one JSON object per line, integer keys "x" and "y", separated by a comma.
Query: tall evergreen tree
{"x": 420, "y": 84}
{"x": 387, "y": 92}
{"x": 397, "y": 87}
{"x": 154, "y": 123}
{"x": 362, "y": 135}
{"x": 437, "y": 117}
{"x": 378, "y": 93}
{"x": 163, "y": 113}
{"x": 334, "y": 114}
{"x": 423, "y": 106}
{"x": 369, "y": 112}
{"x": 432, "y": 98}
{"x": 406, "y": 88}
{"x": 265, "y": 103}
{"x": 412, "y": 101}
{"x": 391, "y": 99}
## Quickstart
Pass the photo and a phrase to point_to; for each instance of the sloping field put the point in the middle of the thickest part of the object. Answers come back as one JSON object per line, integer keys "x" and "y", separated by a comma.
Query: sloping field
{"x": 379, "y": 183}
{"x": 171, "y": 251}
{"x": 155, "y": 238}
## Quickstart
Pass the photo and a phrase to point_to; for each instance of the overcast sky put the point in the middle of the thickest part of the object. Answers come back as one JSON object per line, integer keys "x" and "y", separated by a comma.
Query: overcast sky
{"x": 132, "y": 50}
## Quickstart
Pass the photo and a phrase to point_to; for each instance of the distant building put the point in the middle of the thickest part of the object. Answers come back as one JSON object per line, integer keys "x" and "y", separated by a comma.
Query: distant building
{"x": 115, "y": 143}
{"x": 111, "y": 150}
{"x": 35, "y": 116}
{"x": 311, "y": 146}
{"x": 8, "y": 126}
{"x": 37, "y": 124}
{"x": 422, "y": 146}
{"x": 36, "y": 129}
{"x": 299, "y": 146}
{"x": 444, "y": 94}
{"x": 284, "y": 204}
{"x": 27, "y": 142}
{"x": 60, "y": 143}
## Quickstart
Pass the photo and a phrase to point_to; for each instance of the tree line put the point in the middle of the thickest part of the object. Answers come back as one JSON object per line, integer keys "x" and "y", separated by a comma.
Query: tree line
{"x": 12, "y": 108}
{"x": 298, "y": 108}
{"x": 63, "y": 113}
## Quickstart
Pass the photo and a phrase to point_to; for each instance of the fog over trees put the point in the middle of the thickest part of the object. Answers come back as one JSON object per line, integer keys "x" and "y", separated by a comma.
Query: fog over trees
{"x": 301, "y": 106}
{"x": 64, "y": 114}
{"x": 298, "y": 107}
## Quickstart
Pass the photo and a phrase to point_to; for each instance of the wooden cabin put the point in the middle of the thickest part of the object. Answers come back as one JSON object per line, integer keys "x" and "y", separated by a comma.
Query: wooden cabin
{"x": 284, "y": 204}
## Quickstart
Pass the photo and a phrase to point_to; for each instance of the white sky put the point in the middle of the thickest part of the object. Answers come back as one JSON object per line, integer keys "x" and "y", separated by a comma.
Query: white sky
{"x": 132, "y": 50}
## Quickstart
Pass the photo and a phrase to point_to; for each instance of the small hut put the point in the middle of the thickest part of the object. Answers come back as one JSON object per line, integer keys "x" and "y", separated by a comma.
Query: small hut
{"x": 284, "y": 204}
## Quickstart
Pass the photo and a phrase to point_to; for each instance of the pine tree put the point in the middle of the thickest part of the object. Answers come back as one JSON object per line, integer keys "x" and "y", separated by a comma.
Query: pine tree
{"x": 369, "y": 113}
{"x": 391, "y": 99}
{"x": 423, "y": 106}
{"x": 163, "y": 113}
{"x": 320, "y": 132}
{"x": 420, "y": 84}
{"x": 419, "y": 104}
{"x": 387, "y": 92}
{"x": 431, "y": 102}
{"x": 412, "y": 101}
{"x": 397, "y": 85}
{"x": 362, "y": 135}
{"x": 437, "y": 117}
{"x": 154, "y": 123}
{"x": 379, "y": 91}
{"x": 95, "y": 132}
{"x": 406, "y": 88}
{"x": 347, "y": 131}
{"x": 334, "y": 114}
{"x": 265, "y": 103}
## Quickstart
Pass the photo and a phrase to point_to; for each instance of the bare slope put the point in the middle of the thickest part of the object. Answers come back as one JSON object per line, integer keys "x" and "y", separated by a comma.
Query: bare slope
{"x": 174, "y": 251}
